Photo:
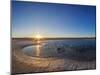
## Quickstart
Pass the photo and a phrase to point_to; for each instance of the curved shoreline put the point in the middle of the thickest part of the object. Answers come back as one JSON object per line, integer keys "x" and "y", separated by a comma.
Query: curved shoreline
{"x": 22, "y": 63}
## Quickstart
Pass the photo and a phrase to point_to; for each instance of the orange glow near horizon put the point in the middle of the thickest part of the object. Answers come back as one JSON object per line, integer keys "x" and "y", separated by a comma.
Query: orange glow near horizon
{"x": 38, "y": 36}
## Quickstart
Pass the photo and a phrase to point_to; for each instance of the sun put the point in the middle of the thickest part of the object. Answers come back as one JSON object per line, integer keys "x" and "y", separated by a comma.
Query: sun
{"x": 38, "y": 36}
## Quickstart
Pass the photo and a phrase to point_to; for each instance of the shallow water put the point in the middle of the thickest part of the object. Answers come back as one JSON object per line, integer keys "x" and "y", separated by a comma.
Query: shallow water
{"x": 62, "y": 48}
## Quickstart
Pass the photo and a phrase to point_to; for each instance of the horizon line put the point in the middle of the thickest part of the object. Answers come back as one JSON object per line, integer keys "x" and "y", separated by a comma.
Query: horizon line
{"x": 55, "y": 37}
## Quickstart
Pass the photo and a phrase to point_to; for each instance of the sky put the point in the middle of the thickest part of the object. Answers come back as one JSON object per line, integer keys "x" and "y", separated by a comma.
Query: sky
{"x": 52, "y": 20}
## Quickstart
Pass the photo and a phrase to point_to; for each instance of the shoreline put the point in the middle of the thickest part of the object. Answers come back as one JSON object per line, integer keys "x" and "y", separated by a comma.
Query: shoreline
{"x": 22, "y": 63}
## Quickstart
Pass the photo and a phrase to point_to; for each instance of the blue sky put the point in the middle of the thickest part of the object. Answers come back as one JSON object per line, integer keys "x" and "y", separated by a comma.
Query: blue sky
{"x": 52, "y": 20}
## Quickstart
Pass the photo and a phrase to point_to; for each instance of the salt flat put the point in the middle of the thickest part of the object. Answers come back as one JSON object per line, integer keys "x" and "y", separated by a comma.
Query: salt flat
{"x": 21, "y": 63}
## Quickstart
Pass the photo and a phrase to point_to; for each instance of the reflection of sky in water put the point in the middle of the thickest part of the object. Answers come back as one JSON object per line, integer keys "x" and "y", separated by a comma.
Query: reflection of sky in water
{"x": 49, "y": 48}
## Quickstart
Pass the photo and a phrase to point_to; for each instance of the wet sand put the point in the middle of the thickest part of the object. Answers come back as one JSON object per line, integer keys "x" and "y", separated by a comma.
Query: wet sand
{"x": 21, "y": 63}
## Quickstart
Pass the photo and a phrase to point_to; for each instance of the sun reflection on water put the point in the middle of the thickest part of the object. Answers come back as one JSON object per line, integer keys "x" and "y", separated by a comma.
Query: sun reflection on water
{"x": 38, "y": 50}
{"x": 38, "y": 39}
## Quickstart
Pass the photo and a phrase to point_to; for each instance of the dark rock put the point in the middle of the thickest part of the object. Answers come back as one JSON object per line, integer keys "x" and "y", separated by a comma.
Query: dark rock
{"x": 60, "y": 50}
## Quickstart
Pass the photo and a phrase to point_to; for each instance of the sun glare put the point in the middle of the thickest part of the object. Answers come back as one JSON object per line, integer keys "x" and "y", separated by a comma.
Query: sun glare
{"x": 38, "y": 36}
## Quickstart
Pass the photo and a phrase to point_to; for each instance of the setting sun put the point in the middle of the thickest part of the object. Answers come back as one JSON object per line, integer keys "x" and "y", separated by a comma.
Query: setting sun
{"x": 38, "y": 36}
